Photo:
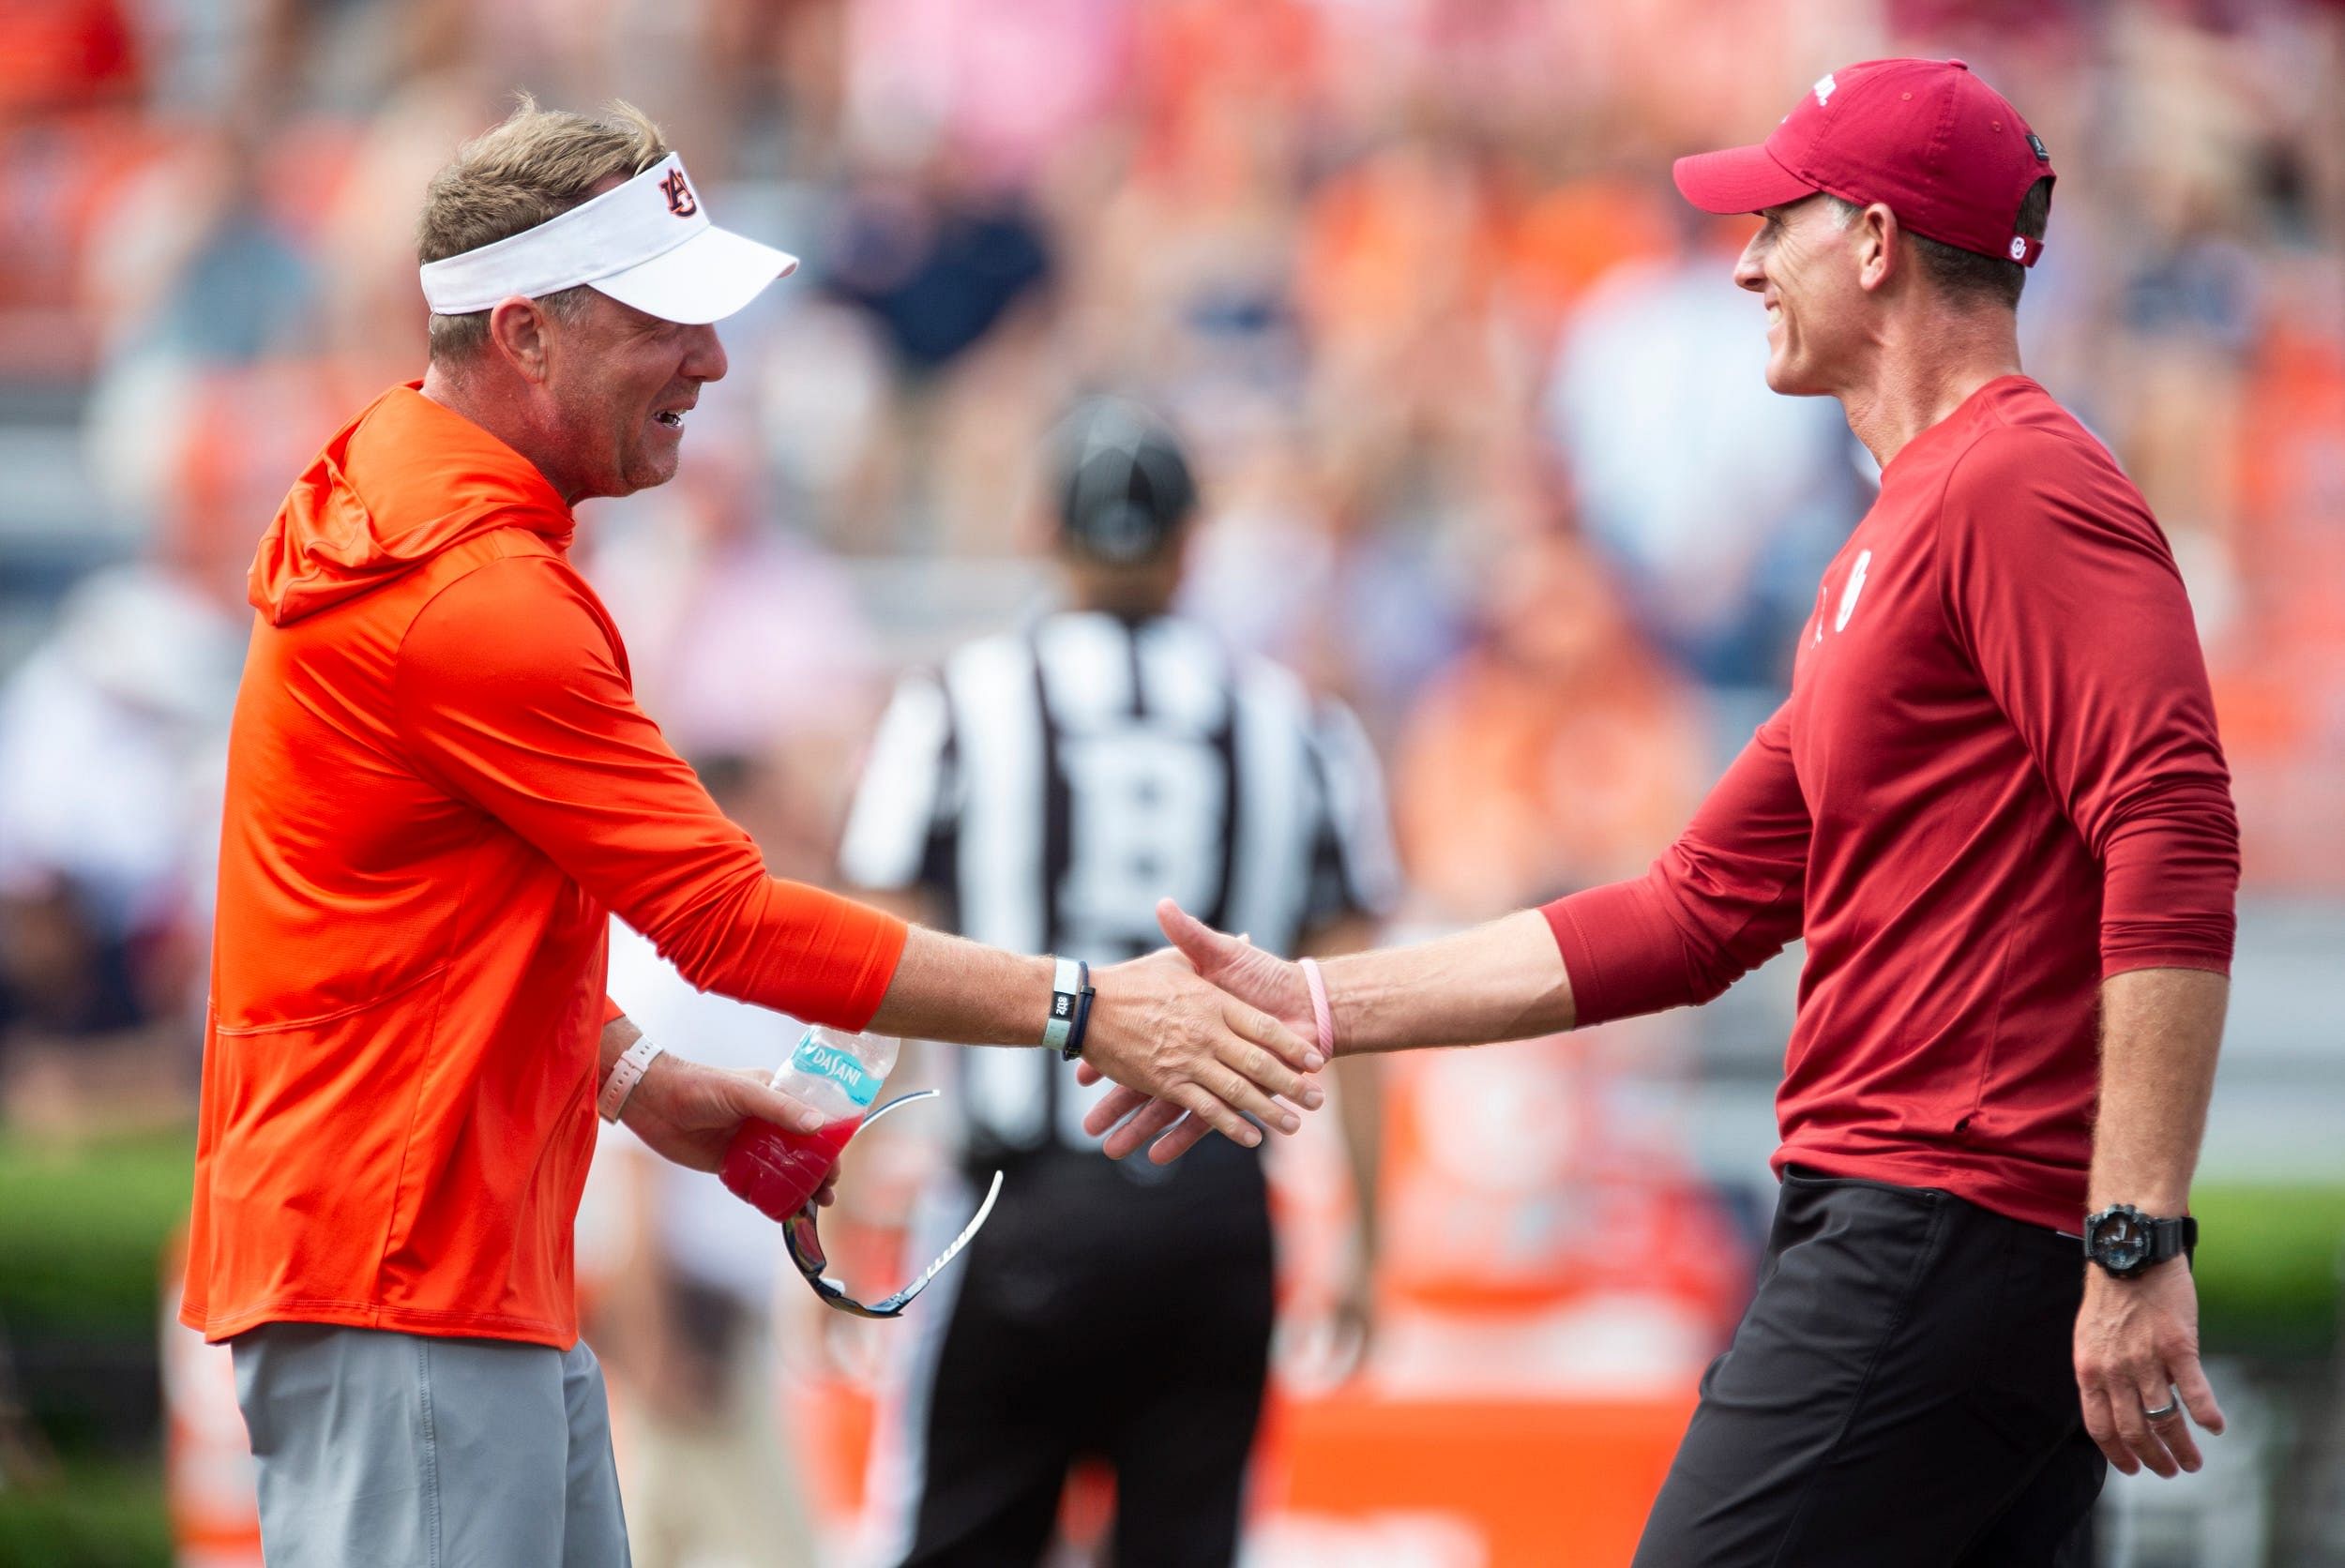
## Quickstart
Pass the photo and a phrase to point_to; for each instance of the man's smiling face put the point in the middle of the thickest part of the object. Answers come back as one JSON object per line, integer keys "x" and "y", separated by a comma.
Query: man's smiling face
{"x": 1802, "y": 265}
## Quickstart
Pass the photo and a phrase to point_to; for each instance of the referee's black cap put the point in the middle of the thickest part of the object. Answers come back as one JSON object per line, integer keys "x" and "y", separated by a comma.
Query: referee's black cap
{"x": 1124, "y": 487}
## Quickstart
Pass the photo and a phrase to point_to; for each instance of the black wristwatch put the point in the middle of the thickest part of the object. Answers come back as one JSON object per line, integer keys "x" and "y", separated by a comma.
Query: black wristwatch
{"x": 2125, "y": 1240}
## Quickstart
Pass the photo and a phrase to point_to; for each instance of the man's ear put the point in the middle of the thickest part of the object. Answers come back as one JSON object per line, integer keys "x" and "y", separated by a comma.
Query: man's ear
{"x": 518, "y": 330}
{"x": 1880, "y": 245}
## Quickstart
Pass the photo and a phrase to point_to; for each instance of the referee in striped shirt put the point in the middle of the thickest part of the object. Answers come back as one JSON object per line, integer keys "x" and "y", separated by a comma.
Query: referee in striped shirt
{"x": 1041, "y": 793}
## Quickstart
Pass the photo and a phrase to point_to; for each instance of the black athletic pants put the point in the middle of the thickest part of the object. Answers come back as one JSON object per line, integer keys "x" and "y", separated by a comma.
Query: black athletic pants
{"x": 1122, "y": 1315}
{"x": 1899, "y": 1395}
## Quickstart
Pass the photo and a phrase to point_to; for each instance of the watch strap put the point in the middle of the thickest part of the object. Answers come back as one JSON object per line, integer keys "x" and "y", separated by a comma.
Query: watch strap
{"x": 1073, "y": 1049}
{"x": 1070, "y": 1007}
{"x": 2168, "y": 1237}
{"x": 625, "y": 1073}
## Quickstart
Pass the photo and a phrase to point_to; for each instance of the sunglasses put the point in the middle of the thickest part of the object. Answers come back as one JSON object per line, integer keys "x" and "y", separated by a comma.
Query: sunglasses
{"x": 805, "y": 1245}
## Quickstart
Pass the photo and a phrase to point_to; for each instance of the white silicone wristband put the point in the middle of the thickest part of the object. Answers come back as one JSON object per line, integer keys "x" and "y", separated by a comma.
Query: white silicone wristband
{"x": 1065, "y": 995}
{"x": 625, "y": 1073}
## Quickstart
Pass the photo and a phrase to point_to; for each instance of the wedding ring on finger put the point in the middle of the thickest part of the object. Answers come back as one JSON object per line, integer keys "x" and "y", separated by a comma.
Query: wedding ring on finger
{"x": 2164, "y": 1412}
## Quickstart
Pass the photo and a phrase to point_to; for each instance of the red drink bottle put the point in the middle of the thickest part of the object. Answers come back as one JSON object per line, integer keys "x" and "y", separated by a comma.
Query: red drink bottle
{"x": 776, "y": 1170}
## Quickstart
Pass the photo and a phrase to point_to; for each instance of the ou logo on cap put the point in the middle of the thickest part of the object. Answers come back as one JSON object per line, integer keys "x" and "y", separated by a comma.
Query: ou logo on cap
{"x": 2019, "y": 249}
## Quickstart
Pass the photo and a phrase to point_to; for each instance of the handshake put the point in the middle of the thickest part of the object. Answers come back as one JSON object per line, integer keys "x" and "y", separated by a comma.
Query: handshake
{"x": 1210, "y": 1034}
{"x": 1189, "y": 1058}
{"x": 1214, "y": 1030}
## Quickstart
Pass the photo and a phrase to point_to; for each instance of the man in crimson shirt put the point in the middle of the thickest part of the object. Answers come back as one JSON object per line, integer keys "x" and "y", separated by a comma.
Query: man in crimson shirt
{"x": 1995, "y": 808}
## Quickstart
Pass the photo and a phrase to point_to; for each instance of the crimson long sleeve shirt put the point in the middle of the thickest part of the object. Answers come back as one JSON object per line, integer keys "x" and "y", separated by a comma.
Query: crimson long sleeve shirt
{"x": 1995, "y": 783}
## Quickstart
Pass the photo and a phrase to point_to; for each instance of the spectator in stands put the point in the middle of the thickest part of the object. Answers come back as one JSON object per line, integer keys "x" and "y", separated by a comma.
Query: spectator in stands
{"x": 108, "y": 754}
{"x": 1553, "y": 753}
{"x": 1715, "y": 501}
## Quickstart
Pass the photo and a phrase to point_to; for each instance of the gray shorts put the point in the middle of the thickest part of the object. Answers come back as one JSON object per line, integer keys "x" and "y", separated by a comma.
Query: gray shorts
{"x": 385, "y": 1449}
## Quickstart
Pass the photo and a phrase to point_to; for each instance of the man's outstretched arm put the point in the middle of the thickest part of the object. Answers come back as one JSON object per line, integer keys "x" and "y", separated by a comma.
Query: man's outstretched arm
{"x": 530, "y": 718}
{"x": 1723, "y": 899}
{"x": 1153, "y": 1023}
{"x": 1501, "y": 981}
{"x": 1720, "y": 901}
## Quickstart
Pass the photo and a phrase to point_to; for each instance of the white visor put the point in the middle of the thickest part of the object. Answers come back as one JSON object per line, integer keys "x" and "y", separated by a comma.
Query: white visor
{"x": 649, "y": 244}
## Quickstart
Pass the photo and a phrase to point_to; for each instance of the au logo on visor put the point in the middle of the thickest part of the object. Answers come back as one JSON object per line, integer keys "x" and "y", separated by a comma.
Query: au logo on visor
{"x": 679, "y": 195}
{"x": 805, "y": 1245}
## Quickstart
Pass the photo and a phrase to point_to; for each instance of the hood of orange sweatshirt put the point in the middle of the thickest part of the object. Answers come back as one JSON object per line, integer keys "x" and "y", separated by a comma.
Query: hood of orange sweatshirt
{"x": 403, "y": 481}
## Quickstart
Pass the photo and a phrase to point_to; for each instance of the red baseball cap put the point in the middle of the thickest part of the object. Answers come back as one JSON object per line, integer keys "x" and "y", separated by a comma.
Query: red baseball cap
{"x": 1944, "y": 151}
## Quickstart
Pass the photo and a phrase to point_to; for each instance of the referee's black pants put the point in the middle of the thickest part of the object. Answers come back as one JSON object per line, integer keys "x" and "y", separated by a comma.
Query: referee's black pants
{"x": 1111, "y": 1313}
{"x": 1899, "y": 1395}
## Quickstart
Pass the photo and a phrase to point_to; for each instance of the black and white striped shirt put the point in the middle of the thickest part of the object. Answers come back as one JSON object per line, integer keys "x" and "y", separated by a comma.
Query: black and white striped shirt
{"x": 1046, "y": 788}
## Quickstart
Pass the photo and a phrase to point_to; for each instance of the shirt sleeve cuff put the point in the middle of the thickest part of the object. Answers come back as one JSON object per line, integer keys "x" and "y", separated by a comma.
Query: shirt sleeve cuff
{"x": 2173, "y": 957}
{"x": 881, "y": 939}
{"x": 1620, "y": 952}
{"x": 2199, "y": 938}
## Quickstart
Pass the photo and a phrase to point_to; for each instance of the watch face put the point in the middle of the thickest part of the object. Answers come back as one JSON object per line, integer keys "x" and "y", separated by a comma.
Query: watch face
{"x": 2121, "y": 1242}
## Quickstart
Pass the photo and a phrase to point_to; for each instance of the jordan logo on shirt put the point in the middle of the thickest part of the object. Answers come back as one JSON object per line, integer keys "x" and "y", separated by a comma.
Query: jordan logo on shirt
{"x": 1856, "y": 586}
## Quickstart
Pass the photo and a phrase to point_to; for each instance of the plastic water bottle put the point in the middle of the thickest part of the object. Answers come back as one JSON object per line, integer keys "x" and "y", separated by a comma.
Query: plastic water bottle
{"x": 776, "y": 1170}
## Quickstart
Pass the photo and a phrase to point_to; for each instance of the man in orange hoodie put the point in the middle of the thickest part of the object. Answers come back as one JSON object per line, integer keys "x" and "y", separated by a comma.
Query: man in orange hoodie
{"x": 439, "y": 788}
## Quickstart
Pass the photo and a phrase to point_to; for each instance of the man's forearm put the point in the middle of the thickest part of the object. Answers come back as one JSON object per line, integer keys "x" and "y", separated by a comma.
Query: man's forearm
{"x": 619, "y": 1034}
{"x": 948, "y": 989}
{"x": 1501, "y": 981}
{"x": 2160, "y": 1030}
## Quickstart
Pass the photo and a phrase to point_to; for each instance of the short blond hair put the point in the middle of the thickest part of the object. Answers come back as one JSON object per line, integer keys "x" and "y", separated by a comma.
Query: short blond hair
{"x": 534, "y": 164}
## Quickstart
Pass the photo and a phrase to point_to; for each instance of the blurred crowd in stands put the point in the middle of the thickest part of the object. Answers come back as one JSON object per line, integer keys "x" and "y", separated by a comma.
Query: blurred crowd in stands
{"x": 1486, "y": 445}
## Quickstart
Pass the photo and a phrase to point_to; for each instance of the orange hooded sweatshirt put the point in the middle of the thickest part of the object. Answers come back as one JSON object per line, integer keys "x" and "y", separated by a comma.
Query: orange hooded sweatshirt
{"x": 439, "y": 788}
